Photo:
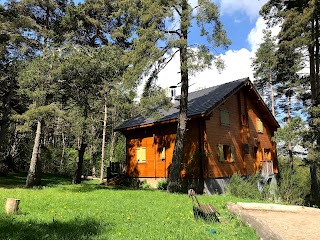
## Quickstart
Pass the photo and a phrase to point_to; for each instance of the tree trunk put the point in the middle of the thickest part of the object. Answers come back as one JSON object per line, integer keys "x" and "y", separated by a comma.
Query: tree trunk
{"x": 112, "y": 141}
{"x": 290, "y": 152}
{"x": 78, "y": 172}
{"x": 34, "y": 159}
{"x": 12, "y": 205}
{"x": 271, "y": 95}
{"x": 314, "y": 80}
{"x": 174, "y": 173}
{"x": 314, "y": 181}
{"x": 103, "y": 138}
{"x": 113, "y": 136}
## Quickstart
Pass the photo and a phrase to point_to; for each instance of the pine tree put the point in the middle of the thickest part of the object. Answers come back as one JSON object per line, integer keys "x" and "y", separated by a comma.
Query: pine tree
{"x": 264, "y": 66}
{"x": 300, "y": 32}
{"x": 162, "y": 29}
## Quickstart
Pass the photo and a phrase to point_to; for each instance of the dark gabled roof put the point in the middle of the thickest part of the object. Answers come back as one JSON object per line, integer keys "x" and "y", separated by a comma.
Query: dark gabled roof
{"x": 200, "y": 102}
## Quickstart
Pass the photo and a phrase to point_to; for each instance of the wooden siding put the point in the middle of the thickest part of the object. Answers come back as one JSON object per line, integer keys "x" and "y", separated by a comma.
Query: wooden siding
{"x": 200, "y": 157}
{"x": 242, "y": 130}
{"x": 154, "y": 139}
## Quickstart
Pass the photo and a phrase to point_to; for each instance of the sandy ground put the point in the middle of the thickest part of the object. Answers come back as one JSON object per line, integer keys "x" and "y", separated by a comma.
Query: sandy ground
{"x": 281, "y": 221}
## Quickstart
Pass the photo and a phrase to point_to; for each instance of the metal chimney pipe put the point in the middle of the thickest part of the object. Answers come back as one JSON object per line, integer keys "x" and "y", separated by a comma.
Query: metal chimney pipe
{"x": 173, "y": 93}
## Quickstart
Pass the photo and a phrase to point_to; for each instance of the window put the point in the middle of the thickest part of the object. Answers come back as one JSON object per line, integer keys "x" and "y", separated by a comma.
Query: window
{"x": 163, "y": 153}
{"x": 246, "y": 148}
{"x": 257, "y": 153}
{"x": 141, "y": 154}
{"x": 267, "y": 154}
{"x": 226, "y": 153}
{"x": 224, "y": 118}
{"x": 259, "y": 126}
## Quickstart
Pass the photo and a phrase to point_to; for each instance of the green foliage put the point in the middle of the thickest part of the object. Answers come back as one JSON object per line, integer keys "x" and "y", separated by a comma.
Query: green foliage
{"x": 244, "y": 187}
{"x": 120, "y": 149}
{"x": 146, "y": 186}
{"x": 162, "y": 184}
{"x": 90, "y": 211}
{"x": 291, "y": 133}
{"x": 294, "y": 187}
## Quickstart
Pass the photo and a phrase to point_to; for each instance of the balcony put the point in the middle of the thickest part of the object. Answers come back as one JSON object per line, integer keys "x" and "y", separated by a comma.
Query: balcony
{"x": 266, "y": 167}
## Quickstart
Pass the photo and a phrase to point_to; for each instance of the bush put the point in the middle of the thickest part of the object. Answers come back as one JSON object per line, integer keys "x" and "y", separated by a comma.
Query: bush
{"x": 244, "y": 187}
{"x": 162, "y": 184}
{"x": 294, "y": 186}
{"x": 145, "y": 186}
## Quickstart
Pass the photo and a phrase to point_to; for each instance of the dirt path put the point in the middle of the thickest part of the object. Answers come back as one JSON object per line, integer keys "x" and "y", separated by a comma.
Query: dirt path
{"x": 274, "y": 221}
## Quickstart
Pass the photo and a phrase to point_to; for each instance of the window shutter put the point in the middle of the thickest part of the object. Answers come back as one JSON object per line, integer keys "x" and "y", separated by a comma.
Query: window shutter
{"x": 224, "y": 115}
{"x": 138, "y": 155}
{"x": 220, "y": 153}
{"x": 141, "y": 154}
{"x": 233, "y": 155}
{"x": 259, "y": 125}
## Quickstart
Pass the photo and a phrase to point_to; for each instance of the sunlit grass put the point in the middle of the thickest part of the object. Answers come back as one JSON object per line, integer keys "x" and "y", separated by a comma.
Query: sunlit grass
{"x": 88, "y": 211}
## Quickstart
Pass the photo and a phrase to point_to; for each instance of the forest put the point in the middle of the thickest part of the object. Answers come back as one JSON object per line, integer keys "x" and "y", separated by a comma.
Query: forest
{"x": 69, "y": 75}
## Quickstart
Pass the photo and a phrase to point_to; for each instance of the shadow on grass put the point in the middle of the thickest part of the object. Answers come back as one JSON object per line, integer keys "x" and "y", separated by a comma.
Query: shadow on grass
{"x": 18, "y": 180}
{"x": 11, "y": 228}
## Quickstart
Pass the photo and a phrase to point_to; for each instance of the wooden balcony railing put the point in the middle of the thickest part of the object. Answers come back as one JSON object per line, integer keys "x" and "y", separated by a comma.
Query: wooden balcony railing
{"x": 266, "y": 168}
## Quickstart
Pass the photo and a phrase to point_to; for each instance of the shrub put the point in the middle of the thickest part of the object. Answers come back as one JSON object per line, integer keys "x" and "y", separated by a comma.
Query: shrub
{"x": 294, "y": 186}
{"x": 145, "y": 186}
{"x": 162, "y": 184}
{"x": 244, "y": 187}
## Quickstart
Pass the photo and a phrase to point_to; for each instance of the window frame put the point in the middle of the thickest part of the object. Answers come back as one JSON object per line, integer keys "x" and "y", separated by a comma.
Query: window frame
{"x": 226, "y": 153}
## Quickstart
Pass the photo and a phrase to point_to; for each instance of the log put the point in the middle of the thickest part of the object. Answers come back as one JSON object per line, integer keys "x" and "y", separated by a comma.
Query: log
{"x": 12, "y": 205}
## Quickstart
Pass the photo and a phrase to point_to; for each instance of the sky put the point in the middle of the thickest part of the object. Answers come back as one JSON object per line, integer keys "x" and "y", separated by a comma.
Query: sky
{"x": 244, "y": 28}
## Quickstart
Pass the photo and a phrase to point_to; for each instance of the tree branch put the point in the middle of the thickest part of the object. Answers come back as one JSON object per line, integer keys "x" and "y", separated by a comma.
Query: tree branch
{"x": 177, "y": 10}
{"x": 172, "y": 31}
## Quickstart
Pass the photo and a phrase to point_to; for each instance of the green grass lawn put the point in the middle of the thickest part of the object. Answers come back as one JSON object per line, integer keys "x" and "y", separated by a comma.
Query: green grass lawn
{"x": 88, "y": 211}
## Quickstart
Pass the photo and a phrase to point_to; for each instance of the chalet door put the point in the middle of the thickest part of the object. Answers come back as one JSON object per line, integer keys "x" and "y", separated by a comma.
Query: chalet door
{"x": 161, "y": 169}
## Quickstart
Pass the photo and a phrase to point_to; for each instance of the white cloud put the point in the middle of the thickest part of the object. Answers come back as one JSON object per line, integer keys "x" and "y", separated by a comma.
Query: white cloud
{"x": 256, "y": 35}
{"x": 238, "y": 64}
{"x": 249, "y": 7}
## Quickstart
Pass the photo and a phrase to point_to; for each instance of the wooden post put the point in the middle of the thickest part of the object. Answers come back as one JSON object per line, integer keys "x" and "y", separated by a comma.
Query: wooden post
{"x": 12, "y": 205}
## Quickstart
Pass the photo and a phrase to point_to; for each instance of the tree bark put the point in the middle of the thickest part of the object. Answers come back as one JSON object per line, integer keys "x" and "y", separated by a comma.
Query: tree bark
{"x": 314, "y": 79}
{"x": 34, "y": 159}
{"x": 78, "y": 172}
{"x": 174, "y": 173}
{"x": 290, "y": 152}
{"x": 103, "y": 138}
{"x": 271, "y": 95}
{"x": 113, "y": 136}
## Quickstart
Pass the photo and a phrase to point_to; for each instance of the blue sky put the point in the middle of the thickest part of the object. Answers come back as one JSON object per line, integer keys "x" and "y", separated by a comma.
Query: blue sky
{"x": 244, "y": 28}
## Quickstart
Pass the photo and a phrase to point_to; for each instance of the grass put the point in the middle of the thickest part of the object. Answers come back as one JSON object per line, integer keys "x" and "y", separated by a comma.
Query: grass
{"x": 88, "y": 211}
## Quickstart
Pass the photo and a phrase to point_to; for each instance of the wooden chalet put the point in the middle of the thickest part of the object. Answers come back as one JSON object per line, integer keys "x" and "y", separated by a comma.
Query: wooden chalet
{"x": 230, "y": 131}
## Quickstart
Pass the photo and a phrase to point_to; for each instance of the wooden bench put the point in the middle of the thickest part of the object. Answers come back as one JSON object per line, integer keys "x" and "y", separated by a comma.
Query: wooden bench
{"x": 204, "y": 211}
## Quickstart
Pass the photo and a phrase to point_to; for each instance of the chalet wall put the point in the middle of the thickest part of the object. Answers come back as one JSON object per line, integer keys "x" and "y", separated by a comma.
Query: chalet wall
{"x": 242, "y": 129}
{"x": 154, "y": 139}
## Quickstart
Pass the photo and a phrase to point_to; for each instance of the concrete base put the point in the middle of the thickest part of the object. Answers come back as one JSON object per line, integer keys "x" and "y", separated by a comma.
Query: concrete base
{"x": 152, "y": 181}
{"x": 215, "y": 185}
